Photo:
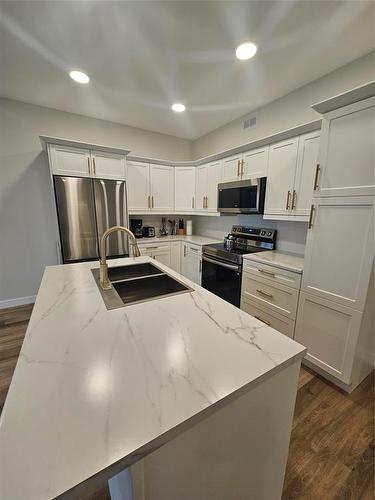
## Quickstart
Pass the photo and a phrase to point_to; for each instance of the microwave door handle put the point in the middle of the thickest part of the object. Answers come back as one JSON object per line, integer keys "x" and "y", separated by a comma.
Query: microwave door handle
{"x": 222, "y": 264}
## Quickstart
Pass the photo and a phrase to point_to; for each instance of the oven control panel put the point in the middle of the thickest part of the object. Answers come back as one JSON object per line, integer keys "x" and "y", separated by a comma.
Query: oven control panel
{"x": 256, "y": 232}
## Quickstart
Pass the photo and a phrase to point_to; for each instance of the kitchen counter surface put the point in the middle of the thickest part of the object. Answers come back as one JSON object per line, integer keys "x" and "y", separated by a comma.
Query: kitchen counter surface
{"x": 283, "y": 260}
{"x": 95, "y": 390}
{"x": 195, "y": 238}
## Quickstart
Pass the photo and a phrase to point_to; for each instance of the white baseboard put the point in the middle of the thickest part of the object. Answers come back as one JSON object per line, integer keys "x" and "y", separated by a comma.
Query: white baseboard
{"x": 21, "y": 301}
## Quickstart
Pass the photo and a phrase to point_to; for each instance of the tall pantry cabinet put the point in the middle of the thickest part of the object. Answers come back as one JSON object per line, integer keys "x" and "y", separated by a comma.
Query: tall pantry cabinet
{"x": 335, "y": 318}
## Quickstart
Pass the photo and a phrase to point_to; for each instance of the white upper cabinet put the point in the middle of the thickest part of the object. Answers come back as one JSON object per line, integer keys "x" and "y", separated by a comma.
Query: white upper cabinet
{"x": 138, "y": 185}
{"x": 304, "y": 178}
{"x": 346, "y": 156}
{"x": 231, "y": 168}
{"x": 254, "y": 163}
{"x": 207, "y": 178}
{"x": 201, "y": 187}
{"x": 280, "y": 179}
{"x": 162, "y": 188}
{"x": 65, "y": 160}
{"x": 184, "y": 182}
{"x": 108, "y": 165}
{"x": 214, "y": 170}
{"x": 340, "y": 249}
{"x": 77, "y": 162}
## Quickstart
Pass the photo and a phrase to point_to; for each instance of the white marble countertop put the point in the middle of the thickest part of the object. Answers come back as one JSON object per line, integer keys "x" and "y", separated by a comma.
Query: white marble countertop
{"x": 195, "y": 238}
{"x": 95, "y": 390}
{"x": 283, "y": 260}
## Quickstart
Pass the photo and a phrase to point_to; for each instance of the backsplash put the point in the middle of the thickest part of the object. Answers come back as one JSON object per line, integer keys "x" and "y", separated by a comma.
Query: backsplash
{"x": 155, "y": 220}
{"x": 291, "y": 236}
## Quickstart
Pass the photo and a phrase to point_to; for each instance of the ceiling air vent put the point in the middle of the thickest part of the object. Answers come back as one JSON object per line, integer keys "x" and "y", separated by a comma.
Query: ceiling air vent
{"x": 250, "y": 121}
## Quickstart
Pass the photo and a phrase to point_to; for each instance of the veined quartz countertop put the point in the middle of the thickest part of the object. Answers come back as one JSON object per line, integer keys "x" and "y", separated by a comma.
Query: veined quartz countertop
{"x": 282, "y": 260}
{"x": 195, "y": 238}
{"x": 96, "y": 390}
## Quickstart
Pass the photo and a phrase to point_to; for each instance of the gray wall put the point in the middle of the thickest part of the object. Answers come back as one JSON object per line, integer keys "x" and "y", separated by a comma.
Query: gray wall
{"x": 288, "y": 111}
{"x": 27, "y": 219}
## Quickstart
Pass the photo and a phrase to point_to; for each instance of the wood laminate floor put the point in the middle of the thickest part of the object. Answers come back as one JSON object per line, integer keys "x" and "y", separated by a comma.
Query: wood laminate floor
{"x": 331, "y": 455}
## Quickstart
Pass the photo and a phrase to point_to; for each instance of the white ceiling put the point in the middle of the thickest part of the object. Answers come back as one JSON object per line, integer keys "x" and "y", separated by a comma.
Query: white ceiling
{"x": 142, "y": 56}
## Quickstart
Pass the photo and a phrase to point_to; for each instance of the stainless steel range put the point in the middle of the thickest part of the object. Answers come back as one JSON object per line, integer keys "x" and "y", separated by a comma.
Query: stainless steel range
{"x": 222, "y": 262}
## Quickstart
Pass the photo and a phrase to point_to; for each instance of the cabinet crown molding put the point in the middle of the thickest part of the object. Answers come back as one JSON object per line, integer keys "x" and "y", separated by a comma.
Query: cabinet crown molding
{"x": 46, "y": 140}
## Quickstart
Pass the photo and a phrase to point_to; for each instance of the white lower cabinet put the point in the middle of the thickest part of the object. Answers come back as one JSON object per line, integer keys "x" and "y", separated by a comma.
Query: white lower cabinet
{"x": 280, "y": 323}
{"x": 160, "y": 252}
{"x": 176, "y": 256}
{"x": 191, "y": 262}
{"x": 271, "y": 295}
{"x": 329, "y": 331}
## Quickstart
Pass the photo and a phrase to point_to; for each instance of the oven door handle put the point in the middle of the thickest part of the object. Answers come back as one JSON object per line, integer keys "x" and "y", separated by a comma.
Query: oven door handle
{"x": 222, "y": 264}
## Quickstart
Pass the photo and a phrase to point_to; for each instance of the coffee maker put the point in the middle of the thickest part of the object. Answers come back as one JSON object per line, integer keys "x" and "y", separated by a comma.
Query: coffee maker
{"x": 136, "y": 227}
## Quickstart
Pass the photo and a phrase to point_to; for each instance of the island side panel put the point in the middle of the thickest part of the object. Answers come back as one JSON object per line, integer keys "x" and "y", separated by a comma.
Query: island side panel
{"x": 239, "y": 452}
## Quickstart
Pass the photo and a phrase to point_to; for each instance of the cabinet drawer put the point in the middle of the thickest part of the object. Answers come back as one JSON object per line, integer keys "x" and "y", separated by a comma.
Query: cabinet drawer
{"x": 154, "y": 246}
{"x": 274, "y": 274}
{"x": 280, "y": 323}
{"x": 278, "y": 298}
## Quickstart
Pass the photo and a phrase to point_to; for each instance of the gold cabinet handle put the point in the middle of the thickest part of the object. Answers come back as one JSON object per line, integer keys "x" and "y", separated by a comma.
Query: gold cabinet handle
{"x": 262, "y": 292}
{"x": 312, "y": 209}
{"x": 88, "y": 165}
{"x": 317, "y": 171}
{"x": 263, "y": 320}
{"x": 148, "y": 201}
{"x": 192, "y": 202}
{"x": 294, "y": 199}
{"x": 288, "y": 200}
{"x": 238, "y": 168}
{"x": 268, "y": 273}
{"x": 152, "y": 201}
{"x": 242, "y": 169}
{"x": 203, "y": 202}
{"x": 94, "y": 166}
{"x": 206, "y": 201}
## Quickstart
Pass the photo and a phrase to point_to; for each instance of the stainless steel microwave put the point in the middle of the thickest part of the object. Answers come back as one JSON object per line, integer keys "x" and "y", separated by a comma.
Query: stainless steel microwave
{"x": 242, "y": 197}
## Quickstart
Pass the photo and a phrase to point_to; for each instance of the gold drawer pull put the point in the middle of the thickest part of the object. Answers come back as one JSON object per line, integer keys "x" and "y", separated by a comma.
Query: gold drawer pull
{"x": 294, "y": 199}
{"x": 312, "y": 209}
{"x": 148, "y": 201}
{"x": 238, "y": 168}
{"x": 93, "y": 162}
{"x": 192, "y": 202}
{"x": 316, "y": 185}
{"x": 269, "y": 295}
{"x": 268, "y": 273}
{"x": 288, "y": 200}
{"x": 263, "y": 320}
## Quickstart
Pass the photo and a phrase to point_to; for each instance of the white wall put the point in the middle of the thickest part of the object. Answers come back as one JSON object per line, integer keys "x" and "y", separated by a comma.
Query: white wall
{"x": 291, "y": 236}
{"x": 288, "y": 111}
{"x": 27, "y": 220}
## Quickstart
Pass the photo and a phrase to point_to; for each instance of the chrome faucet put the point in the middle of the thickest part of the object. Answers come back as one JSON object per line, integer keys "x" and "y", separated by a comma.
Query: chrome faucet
{"x": 104, "y": 281}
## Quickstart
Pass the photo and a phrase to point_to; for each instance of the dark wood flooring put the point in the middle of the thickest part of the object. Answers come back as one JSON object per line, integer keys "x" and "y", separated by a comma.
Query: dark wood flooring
{"x": 331, "y": 455}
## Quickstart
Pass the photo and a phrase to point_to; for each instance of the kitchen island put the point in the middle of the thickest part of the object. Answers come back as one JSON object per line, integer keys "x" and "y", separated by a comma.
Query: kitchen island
{"x": 191, "y": 395}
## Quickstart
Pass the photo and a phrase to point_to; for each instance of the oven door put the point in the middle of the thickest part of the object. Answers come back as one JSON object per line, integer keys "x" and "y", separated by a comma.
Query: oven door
{"x": 222, "y": 278}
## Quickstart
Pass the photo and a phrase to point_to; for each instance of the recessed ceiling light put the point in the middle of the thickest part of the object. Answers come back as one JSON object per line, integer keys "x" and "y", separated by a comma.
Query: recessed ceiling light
{"x": 79, "y": 77}
{"x": 246, "y": 51}
{"x": 178, "y": 107}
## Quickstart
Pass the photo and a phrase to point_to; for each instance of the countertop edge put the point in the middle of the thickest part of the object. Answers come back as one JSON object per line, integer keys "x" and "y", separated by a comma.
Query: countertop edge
{"x": 151, "y": 446}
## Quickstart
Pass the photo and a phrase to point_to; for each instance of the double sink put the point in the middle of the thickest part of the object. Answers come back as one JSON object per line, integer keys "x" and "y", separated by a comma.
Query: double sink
{"x": 138, "y": 283}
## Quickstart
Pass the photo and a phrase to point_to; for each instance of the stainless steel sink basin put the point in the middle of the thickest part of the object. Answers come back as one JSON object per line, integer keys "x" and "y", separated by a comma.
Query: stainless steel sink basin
{"x": 121, "y": 273}
{"x": 138, "y": 283}
{"x": 151, "y": 287}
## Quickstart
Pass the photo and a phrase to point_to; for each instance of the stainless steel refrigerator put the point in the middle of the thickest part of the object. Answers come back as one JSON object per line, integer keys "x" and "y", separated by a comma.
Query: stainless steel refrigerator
{"x": 85, "y": 209}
